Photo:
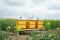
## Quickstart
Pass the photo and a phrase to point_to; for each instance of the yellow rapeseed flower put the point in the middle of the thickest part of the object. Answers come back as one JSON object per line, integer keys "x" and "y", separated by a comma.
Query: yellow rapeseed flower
{"x": 8, "y": 28}
{"x": 48, "y": 23}
{"x": 17, "y": 28}
{"x": 57, "y": 28}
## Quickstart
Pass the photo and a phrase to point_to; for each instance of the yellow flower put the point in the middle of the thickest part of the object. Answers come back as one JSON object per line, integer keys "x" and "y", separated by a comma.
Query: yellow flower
{"x": 8, "y": 28}
{"x": 57, "y": 28}
{"x": 17, "y": 28}
{"x": 48, "y": 23}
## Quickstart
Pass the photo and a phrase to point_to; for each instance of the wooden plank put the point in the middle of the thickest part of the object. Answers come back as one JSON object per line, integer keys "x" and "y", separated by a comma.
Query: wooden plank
{"x": 40, "y": 27}
{"x": 32, "y": 22}
{"x": 27, "y": 24}
{"x": 40, "y": 22}
{"x": 31, "y": 26}
{"x": 22, "y": 26}
{"x": 21, "y": 22}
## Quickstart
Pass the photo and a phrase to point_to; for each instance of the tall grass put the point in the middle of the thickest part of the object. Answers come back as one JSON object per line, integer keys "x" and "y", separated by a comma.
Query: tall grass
{"x": 4, "y": 23}
{"x": 53, "y": 24}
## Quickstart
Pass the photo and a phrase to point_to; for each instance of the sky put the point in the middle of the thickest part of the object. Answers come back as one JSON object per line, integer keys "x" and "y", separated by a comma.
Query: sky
{"x": 42, "y": 9}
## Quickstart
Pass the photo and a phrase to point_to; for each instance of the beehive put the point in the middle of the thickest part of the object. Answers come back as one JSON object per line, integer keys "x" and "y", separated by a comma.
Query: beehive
{"x": 30, "y": 24}
{"x": 21, "y": 24}
{"x": 39, "y": 24}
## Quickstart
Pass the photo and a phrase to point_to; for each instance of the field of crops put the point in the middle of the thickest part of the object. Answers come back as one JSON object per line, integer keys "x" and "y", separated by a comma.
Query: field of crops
{"x": 51, "y": 30}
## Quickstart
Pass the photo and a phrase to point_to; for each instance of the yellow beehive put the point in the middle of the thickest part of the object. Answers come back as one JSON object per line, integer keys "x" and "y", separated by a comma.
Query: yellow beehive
{"x": 32, "y": 22}
{"x": 40, "y": 22}
{"x": 22, "y": 22}
{"x": 31, "y": 26}
{"x": 40, "y": 27}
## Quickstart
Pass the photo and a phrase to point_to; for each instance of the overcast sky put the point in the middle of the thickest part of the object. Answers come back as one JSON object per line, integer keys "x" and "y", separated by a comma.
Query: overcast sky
{"x": 43, "y": 9}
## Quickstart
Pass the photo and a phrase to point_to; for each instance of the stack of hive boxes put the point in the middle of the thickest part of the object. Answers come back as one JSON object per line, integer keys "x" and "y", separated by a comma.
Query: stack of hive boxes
{"x": 30, "y": 24}
{"x": 21, "y": 24}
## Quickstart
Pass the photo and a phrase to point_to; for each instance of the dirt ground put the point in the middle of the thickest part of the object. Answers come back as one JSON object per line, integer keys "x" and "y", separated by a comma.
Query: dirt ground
{"x": 21, "y": 37}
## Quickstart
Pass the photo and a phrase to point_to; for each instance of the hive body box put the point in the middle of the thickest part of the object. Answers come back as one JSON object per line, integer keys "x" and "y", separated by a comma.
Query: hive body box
{"x": 30, "y": 24}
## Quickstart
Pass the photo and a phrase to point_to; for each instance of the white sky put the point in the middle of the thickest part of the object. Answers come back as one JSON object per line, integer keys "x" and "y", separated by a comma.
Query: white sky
{"x": 43, "y": 9}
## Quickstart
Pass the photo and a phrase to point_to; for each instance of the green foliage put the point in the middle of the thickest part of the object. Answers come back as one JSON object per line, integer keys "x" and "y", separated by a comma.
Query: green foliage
{"x": 47, "y": 25}
{"x": 1, "y": 36}
{"x": 4, "y": 23}
{"x": 5, "y": 36}
{"x": 22, "y": 32}
{"x": 33, "y": 35}
{"x": 53, "y": 24}
{"x": 9, "y": 24}
{"x": 0, "y": 27}
{"x": 46, "y": 34}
